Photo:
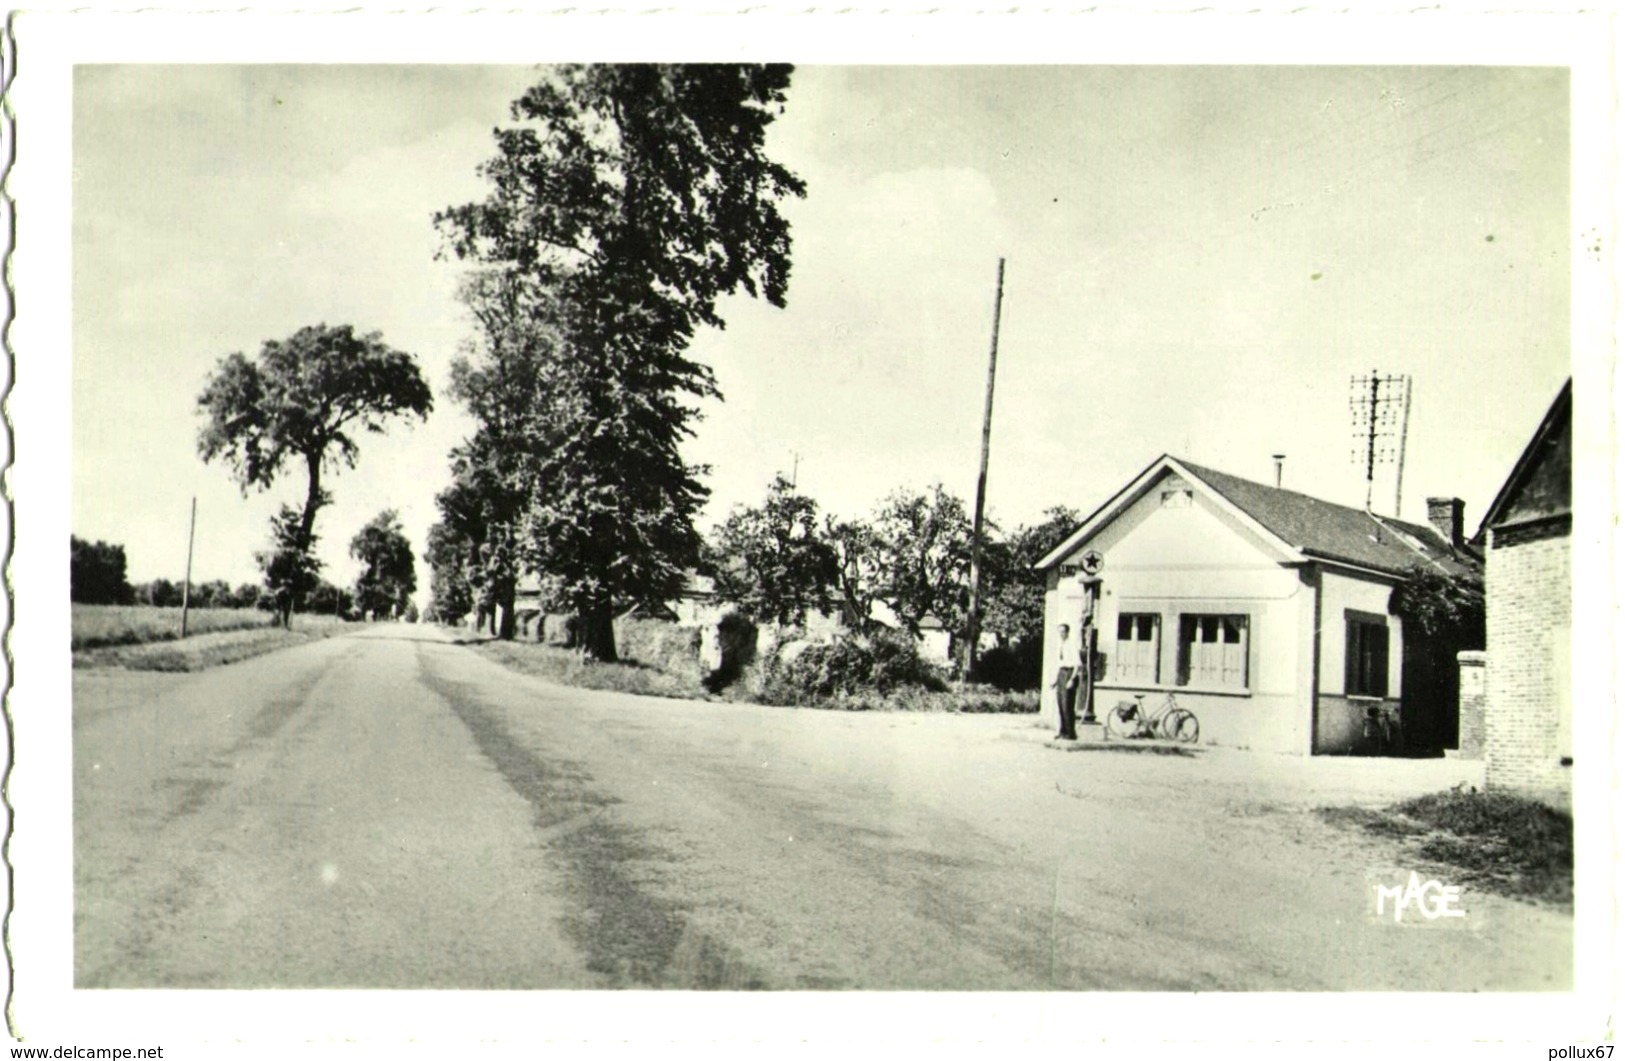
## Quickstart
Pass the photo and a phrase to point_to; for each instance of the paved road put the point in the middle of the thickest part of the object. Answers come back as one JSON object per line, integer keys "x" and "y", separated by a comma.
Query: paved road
{"x": 390, "y": 810}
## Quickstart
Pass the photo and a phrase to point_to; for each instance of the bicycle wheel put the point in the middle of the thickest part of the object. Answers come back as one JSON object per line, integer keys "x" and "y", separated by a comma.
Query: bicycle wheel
{"x": 1122, "y": 721}
{"x": 1182, "y": 726}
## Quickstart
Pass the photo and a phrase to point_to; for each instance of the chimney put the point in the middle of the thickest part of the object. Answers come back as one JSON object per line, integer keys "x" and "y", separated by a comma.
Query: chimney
{"x": 1280, "y": 462}
{"x": 1445, "y": 515}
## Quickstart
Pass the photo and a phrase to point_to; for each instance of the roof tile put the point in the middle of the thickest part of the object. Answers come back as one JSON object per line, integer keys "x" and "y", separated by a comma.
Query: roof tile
{"x": 1336, "y": 532}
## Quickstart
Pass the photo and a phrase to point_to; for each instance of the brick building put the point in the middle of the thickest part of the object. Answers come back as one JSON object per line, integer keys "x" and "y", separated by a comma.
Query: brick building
{"x": 1527, "y": 713}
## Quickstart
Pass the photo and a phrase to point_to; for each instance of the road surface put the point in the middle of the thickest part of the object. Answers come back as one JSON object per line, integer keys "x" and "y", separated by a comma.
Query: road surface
{"x": 390, "y": 810}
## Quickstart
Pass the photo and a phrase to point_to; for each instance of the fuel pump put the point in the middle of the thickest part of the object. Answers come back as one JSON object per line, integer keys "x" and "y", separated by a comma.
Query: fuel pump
{"x": 1089, "y": 648}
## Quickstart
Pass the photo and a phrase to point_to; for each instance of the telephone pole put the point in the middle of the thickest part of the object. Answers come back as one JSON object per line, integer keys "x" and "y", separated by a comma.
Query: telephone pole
{"x": 973, "y": 625}
{"x": 186, "y": 587}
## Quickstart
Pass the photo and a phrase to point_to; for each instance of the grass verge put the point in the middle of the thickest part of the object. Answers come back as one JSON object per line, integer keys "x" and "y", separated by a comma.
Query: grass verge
{"x": 202, "y": 651}
{"x": 1506, "y": 844}
{"x": 566, "y": 667}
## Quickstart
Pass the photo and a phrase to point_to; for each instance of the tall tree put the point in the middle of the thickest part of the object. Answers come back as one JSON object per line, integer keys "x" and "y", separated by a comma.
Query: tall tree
{"x": 772, "y": 561}
{"x": 624, "y": 203}
{"x": 923, "y": 546}
{"x": 303, "y": 401}
{"x": 499, "y": 378}
{"x": 451, "y": 595}
{"x": 388, "y": 570}
{"x": 857, "y": 569}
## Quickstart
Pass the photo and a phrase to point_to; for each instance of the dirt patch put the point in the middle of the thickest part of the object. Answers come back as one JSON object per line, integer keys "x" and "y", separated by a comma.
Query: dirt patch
{"x": 1511, "y": 846}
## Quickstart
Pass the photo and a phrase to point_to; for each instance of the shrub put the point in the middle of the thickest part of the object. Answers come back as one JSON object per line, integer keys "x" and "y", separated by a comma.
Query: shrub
{"x": 1014, "y": 666}
{"x": 867, "y": 663}
{"x": 727, "y": 647}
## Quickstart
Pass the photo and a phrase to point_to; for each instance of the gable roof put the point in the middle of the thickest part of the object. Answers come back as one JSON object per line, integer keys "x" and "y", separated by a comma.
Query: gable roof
{"x": 1540, "y": 483}
{"x": 1301, "y": 527}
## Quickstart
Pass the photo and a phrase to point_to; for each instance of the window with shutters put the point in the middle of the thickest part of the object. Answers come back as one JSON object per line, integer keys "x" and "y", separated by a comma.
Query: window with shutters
{"x": 1365, "y": 660}
{"x": 1138, "y": 646}
{"x": 1213, "y": 651}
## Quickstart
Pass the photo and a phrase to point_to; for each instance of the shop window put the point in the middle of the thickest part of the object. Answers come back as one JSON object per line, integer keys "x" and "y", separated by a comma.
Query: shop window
{"x": 1365, "y": 660}
{"x": 1213, "y": 651}
{"x": 1138, "y": 646}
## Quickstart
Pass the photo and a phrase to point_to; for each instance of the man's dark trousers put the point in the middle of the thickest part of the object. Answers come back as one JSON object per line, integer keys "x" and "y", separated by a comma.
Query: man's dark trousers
{"x": 1065, "y": 699}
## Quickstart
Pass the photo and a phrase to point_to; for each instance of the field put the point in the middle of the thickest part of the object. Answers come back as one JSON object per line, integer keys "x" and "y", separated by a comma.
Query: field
{"x": 144, "y": 638}
{"x": 100, "y": 625}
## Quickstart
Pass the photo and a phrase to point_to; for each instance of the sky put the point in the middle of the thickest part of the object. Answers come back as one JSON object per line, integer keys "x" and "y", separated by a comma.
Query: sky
{"x": 1198, "y": 260}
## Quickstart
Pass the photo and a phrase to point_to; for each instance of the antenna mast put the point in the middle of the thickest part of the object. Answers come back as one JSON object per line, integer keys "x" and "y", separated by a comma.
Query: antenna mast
{"x": 1380, "y": 409}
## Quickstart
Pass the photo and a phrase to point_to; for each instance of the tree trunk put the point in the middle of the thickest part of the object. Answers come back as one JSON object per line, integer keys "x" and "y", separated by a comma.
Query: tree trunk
{"x": 597, "y": 632}
{"x": 504, "y": 610}
{"x": 313, "y": 500}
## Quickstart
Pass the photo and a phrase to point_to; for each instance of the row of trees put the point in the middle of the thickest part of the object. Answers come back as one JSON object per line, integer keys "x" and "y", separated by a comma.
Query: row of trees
{"x": 779, "y": 561}
{"x": 625, "y": 201}
{"x": 98, "y": 576}
{"x": 384, "y": 587}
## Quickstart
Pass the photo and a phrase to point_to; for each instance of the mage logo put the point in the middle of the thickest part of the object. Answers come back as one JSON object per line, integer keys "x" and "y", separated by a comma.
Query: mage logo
{"x": 1431, "y": 899}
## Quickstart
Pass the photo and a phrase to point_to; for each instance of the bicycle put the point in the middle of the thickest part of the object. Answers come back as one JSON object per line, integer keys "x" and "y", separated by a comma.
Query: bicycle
{"x": 1168, "y": 721}
{"x": 1381, "y": 731}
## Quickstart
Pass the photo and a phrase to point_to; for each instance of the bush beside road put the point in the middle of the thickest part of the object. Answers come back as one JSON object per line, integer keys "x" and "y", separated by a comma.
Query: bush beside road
{"x": 856, "y": 674}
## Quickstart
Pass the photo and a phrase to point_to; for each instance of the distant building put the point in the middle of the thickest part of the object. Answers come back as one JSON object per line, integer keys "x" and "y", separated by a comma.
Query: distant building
{"x": 1528, "y": 595}
{"x": 1266, "y": 611}
{"x": 695, "y": 604}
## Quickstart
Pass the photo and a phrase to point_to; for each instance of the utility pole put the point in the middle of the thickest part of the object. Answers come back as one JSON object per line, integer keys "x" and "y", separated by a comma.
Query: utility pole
{"x": 973, "y": 625}
{"x": 186, "y": 587}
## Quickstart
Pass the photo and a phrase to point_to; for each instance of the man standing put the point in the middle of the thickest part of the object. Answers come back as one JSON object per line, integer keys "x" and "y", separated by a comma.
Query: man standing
{"x": 1066, "y": 684}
